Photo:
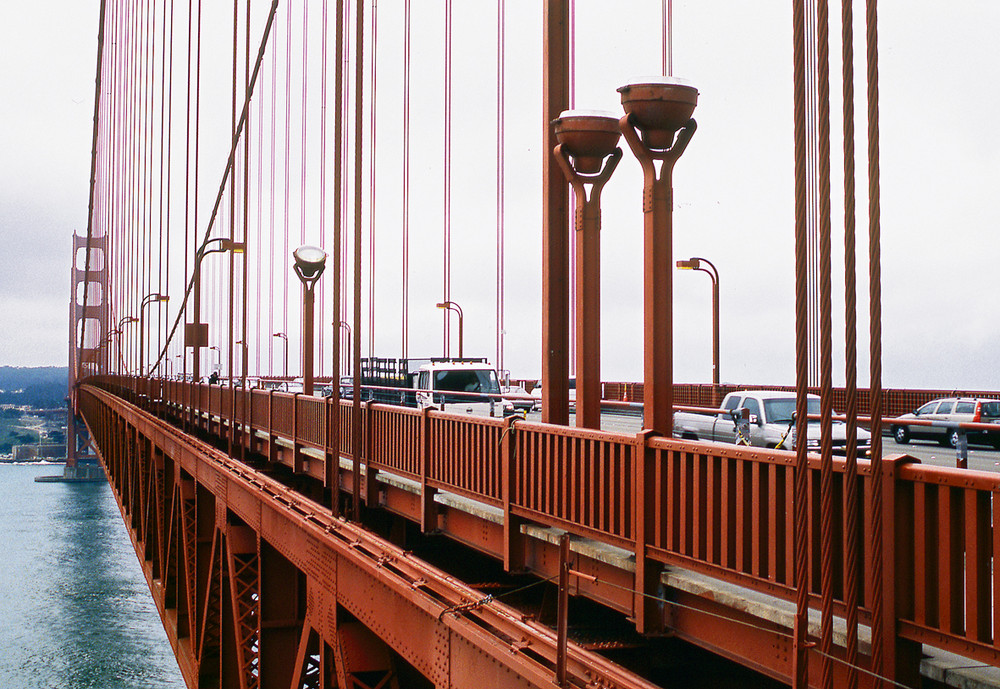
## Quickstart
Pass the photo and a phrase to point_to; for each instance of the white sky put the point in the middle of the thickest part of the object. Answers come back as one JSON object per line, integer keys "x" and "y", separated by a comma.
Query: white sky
{"x": 939, "y": 156}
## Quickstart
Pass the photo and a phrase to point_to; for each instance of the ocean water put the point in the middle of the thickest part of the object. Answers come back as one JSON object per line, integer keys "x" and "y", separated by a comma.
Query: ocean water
{"x": 74, "y": 608}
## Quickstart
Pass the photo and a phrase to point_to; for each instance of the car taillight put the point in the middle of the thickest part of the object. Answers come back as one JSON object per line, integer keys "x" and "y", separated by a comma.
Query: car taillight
{"x": 979, "y": 413}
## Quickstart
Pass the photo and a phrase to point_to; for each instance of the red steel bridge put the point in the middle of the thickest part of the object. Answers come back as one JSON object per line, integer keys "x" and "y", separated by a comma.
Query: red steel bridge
{"x": 291, "y": 539}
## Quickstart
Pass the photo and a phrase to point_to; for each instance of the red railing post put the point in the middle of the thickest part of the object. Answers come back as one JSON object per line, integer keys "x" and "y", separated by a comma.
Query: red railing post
{"x": 901, "y": 656}
{"x": 298, "y": 463}
{"x": 513, "y": 542}
{"x": 272, "y": 446}
{"x": 646, "y": 609}
{"x": 331, "y": 435}
{"x": 428, "y": 511}
{"x": 370, "y": 488}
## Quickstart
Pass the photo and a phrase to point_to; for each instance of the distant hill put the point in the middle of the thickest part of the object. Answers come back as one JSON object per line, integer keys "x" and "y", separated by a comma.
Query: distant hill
{"x": 43, "y": 387}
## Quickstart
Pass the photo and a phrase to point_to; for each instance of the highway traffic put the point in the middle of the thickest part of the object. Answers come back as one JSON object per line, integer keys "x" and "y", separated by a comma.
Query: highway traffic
{"x": 981, "y": 458}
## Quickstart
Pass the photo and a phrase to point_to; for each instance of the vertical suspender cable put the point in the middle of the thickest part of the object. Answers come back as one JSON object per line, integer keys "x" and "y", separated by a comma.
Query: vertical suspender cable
{"x": 305, "y": 122}
{"x": 145, "y": 229}
{"x": 197, "y": 157}
{"x": 188, "y": 269}
{"x": 272, "y": 235}
{"x": 244, "y": 350}
{"x": 446, "y": 268}
{"x": 826, "y": 344}
{"x": 166, "y": 119}
{"x": 572, "y": 197}
{"x": 338, "y": 149}
{"x": 501, "y": 243}
{"x": 322, "y": 195}
{"x": 358, "y": 174}
{"x": 850, "y": 353}
{"x": 231, "y": 255}
{"x": 281, "y": 253}
{"x": 405, "y": 329}
{"x": 800, "y": 660}
{"x": 667, "y": 14}
{"x": 371, "y": 183}
{"x": 880, "y": 635}
{"x": 338, "y": 198}
{"x": 258, "y": 250}
{"x": 345, "y": 291}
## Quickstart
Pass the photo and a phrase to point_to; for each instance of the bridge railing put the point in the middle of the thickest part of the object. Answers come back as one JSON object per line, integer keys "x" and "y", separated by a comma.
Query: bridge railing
{"x": 895, "y": 401}
{"x": 722, "y": 510}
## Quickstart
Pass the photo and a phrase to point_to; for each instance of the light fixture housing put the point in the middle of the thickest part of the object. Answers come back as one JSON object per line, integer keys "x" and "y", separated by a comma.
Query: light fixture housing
{"x": 658, "y": 107}
{"x": 588, "y": 136}
{"x": 309, "y": 262}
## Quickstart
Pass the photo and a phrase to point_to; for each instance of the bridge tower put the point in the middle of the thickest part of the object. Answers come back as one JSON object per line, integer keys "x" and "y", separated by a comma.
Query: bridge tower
{"x": 89, "y": 346}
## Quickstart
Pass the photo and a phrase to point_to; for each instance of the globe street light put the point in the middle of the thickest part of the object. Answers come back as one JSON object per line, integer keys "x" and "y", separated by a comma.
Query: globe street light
{"x": 588, "y": 154}
{"x": 658, "y": 126}
{"x": 695, "y": 263}
{"x": 452, "y": 306}
{"x": 309, "y": 264}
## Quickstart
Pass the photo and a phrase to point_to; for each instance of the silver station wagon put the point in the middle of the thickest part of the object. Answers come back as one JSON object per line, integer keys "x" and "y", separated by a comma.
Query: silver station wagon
{"x": 951, "y": 410}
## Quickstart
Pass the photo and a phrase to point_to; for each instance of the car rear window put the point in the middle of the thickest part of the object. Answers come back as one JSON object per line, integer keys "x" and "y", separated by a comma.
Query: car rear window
{"x": 965, "y": 408}
{"x": 990, "y": 409}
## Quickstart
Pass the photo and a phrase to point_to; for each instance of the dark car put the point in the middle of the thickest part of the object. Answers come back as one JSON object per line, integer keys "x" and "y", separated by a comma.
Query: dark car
{"x": 947, "y": 411}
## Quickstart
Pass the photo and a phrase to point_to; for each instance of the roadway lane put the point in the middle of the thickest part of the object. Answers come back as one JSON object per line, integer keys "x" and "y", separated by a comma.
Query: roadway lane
{"x": 981, "y": 458}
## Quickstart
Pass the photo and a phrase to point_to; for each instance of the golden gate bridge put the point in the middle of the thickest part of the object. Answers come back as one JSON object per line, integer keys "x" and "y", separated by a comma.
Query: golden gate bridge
{"x": 284, "y": 533}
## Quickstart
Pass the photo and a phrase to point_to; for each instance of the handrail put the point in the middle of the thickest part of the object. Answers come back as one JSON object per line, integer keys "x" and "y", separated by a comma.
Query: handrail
{"x": 721, "y": 510}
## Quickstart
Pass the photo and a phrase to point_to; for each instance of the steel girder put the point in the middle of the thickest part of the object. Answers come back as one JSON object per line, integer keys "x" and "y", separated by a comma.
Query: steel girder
{"x": 258, "y": 586}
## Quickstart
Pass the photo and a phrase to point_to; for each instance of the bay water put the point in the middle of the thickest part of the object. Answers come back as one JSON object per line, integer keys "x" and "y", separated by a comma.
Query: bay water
{"x": 75, "y": 611}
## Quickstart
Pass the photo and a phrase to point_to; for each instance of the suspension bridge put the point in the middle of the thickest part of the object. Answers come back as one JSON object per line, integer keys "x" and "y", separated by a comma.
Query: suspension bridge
{"x": 296, "y": 530}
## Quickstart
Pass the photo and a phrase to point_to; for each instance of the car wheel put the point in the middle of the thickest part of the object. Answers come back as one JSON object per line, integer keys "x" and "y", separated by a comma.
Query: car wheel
{"x": 950, "y": 439}
{"x": 901, "y": 434}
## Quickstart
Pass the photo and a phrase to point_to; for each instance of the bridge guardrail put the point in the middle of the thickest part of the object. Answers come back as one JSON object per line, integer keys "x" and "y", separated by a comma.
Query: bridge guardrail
{"x": 725, "y": 511}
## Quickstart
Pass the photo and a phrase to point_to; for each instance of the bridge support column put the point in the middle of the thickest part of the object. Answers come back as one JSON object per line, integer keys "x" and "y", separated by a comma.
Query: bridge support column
{"x": 281, "y": 617}
{"x": 555, "y": 222}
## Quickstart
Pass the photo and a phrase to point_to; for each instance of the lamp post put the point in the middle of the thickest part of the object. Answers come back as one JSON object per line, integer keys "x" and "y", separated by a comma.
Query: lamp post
{"x": 218, "y": 358}
{"x": 309, "y": 264}
{"x": 695, "y": 263}
{"x": 244, "y": 361}
{"x": 658, "y": 126}
{"x": 106, "y": 344}
{"x": 284, "y": 337}
{"x": 156, "y": 298}
{"x": 196, "y": 333}
{"x": 452, "y": 306}
{"x": 344, "y": 325}
{"x": 588, "y": 154}
{"x": 121, "y": 330}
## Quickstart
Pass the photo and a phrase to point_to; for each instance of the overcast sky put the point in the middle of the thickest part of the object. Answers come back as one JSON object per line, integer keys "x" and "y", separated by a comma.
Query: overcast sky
{"x": 940, "y": 160}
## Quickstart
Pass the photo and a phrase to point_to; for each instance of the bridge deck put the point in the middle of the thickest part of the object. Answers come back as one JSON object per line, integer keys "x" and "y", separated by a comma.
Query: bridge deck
{"x": 726, "y": 589}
